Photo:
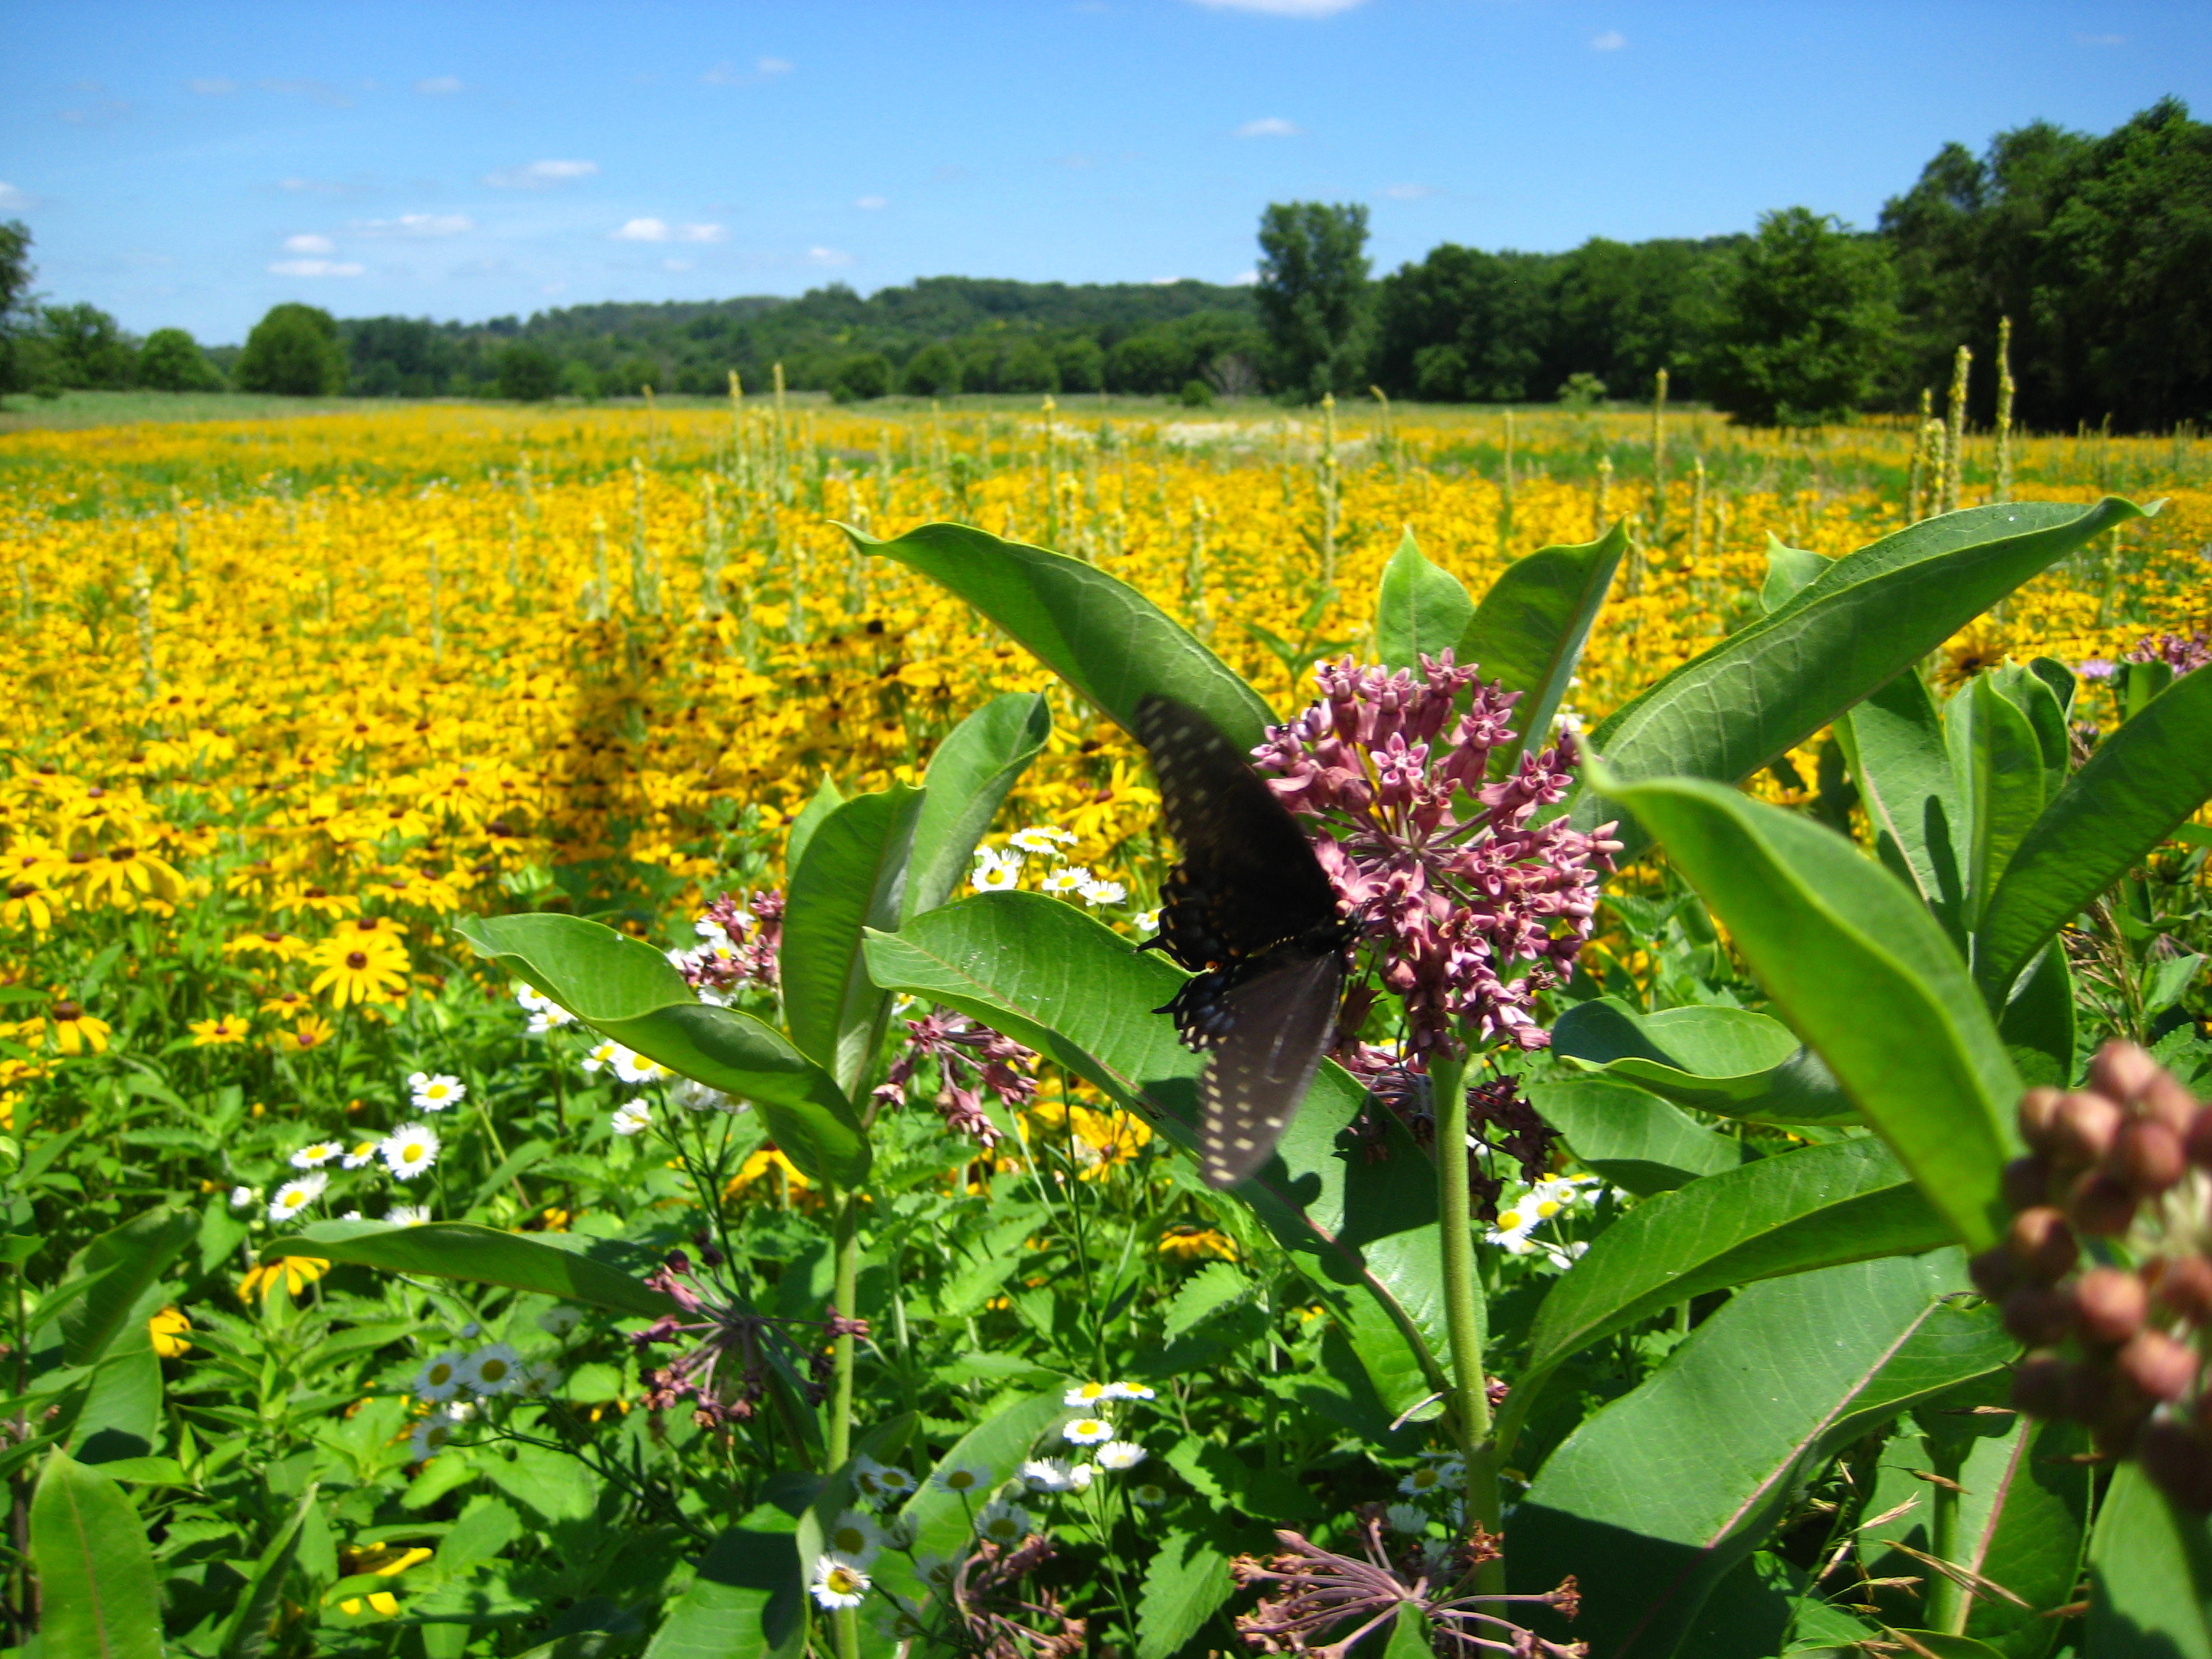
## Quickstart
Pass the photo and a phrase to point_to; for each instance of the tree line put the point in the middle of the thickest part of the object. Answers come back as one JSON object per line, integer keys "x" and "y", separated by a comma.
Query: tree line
{"x": 2092, "y": 247}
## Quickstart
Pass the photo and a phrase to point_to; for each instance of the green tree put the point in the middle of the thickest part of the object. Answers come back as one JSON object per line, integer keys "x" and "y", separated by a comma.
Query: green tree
{"x": 528, "y": 374}
{"x": 1313, "y": 294}
{"x": 1156, "y": 360}
{"x": 1463, "y": 324}
{"x": 1081, "y": 364}
{"x": 931, "y": 372}
{"x": 15, "y": 313}
{"x": 172, "y": 360}
{"x": 90, "y": 348}
{"x": 1027, "y": 367}
{"x": 866, "y": 375}
{"x": 2096, "y": 248}
{"x": 1808, "y": 315}
{"x": 294, "y": 349}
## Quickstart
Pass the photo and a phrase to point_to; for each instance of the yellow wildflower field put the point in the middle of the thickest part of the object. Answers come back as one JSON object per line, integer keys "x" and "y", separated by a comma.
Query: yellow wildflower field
{"x": 337, "y": 678}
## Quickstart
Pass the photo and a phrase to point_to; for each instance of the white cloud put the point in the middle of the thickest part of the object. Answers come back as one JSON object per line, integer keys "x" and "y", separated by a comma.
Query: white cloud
{"x": 213, "y": 87}
{"x": 309, "y": 243}
{"x": 418, "y": 224}
{"x": 1270, "y": 126}
{"x": 727, "y": 74}
{"x": 871, "y": 202}
{"x": 1409, "y": 192}
{"x": 1245, "y": 278}
{"x": 315, "y": 268}
{"x": 829, "y": 256}
{"x": 1611, "y": 40}
{"x": 1284, "y": 7}
{"x": 541, "y": 175}
{"x": 321, "y": 91}
{"x": 440, "y": 85}
{"x": 10, "y": 197}
{"x": 660, "y": 230}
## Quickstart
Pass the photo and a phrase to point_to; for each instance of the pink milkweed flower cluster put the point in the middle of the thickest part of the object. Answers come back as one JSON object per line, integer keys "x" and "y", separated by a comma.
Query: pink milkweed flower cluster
{"x": 726, "y": 1349}
{"x": 2184, "y": 654}
{"x": 971, "y": 1058}
{"x": 1470, "y": 905}
{"x": 742, "y": 947}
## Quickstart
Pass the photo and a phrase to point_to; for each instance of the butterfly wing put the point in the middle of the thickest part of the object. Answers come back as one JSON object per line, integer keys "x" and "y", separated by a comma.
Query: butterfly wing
{"x": 1249, "y": 879}
{"x": 1281, "y": 1017}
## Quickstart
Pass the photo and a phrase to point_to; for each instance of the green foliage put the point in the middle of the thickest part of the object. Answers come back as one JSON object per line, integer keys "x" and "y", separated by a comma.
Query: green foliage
{"x": 527, "y": 373}
{"x": 85, "y": 347}
{"x": 859, "y": 378}
{"x": 2090, "y": 245}
{"x": 1313, "y": 294}
{"x": 294, "y": 349}
{"x": 931, "y": 372}
{"x": 1806, "y": 317}
{"x": 172, "y": 360}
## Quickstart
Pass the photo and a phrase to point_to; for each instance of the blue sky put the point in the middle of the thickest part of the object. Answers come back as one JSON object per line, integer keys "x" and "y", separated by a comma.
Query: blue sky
{"x": 193, "y": 164}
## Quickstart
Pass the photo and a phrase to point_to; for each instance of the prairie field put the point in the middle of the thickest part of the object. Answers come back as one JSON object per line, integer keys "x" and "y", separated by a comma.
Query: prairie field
{"x": 289, "y": 699}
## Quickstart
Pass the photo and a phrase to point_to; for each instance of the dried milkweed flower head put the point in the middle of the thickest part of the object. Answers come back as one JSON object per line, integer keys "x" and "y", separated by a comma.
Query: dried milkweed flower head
{"x": 727, "y": 1349}
{"x": 972, "y": 1061}
{"x": 1323, "y": 1603}
{"x": 2182, "y": 654}
{"x": 2122, "y": 1345}
{"x": 739, "y": 945}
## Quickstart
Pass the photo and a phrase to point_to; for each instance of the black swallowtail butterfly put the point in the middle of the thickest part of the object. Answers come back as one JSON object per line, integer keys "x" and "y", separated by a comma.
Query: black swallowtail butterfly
{"x": 1251, "y": 913}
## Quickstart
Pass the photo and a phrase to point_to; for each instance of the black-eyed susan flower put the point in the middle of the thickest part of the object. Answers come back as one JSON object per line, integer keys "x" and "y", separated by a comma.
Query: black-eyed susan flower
{"x": 168, "y": 1328}
{"x": 74, "y": 1031}
{"x": 216, "y": 1032}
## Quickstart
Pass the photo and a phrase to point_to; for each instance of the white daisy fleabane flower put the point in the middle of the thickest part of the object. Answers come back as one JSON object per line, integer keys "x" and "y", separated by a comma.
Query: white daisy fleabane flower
{"x": 895, "y": 1481}
{"x": 996, "y": 872}
{"x": 633, "y": 1068}
{"x": 855, "y": 1537}
{"x": 409, "y": 1150}
{"x": 545, "y": 1014}
{"x": 1049, "y": 1475}
{"x": 429, "y": 1438}
{"x": 315, "y": 1154}
{"x": 1147, "y": 921}
{"x": 1088, "y": 1432}
{"x": 364, "y": 1153}
{"x": 407, "y": 1215}
{"x": 560, "y": 1321}
{"x": 440, "y": 1379}
{"x": 1073, "y": 878}
{"x": 1127, "y": 1391}
{"x": 1098, "y": 891}
{"x": 1088, "y": 1394}
{"x": 962, "y": 1478}
{"x": 1421, "y": 1482}
{"x": 244, "y": 1198}
{"x": 1118, "y": 1456}
{"x": 1150, "y": 1495}
{"x": 632, "y": 1117}
{"x": 1404, "y": 1517}
{"x": 435, "y": 1092}
{"x": 493, "y": 1369}
{"x": 1043, "y": 838}
{"x": 838, "y": 1583}
{"x": 295, "y": 1196}
{"x": 601, "y": 1056}
{"x": 1003, "y": 1523}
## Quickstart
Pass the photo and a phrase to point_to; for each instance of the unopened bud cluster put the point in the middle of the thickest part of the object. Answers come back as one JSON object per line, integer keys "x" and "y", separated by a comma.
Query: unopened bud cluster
{"x": 2105, "y": 1272}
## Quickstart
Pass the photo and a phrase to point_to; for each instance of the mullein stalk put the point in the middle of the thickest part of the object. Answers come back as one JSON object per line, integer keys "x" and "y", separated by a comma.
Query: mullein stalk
{"x": 2004, "y": 411}
{"x": 710, "y": 550}
{"x": 437, "y": 616}
{"x": 1696, "y": 509}
{"x": 1915, "y": 479}
{"x": 141, "y": 596}
{"x": 599, "y": 593}
{"x": 644, "y": 590}
{"x": 1050, "y": 456}
{"x": 1602, "y": 514}
{"x": 1194, "y": 575}
{"x": 1659, "y": 456}
{"x": 1955, "y": 435}
{"x": 1328, "y": 481}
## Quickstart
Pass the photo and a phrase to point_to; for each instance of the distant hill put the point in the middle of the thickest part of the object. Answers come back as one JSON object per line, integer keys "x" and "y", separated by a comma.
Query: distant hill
{"x": 940, "y": 334}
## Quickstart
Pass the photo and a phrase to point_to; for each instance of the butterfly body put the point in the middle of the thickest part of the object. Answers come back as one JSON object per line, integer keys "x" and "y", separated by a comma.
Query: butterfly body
{"x": 1251, "y": 913}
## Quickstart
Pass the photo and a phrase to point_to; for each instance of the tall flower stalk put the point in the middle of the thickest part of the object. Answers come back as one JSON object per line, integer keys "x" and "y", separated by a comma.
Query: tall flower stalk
{"x": 1469, "y": 906}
